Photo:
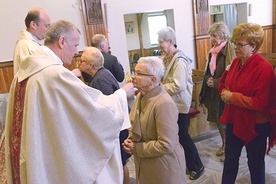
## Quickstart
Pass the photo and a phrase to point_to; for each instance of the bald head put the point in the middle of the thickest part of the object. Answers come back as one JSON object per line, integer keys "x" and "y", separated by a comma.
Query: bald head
{"x": 94, "y": 56}
{"x": 99, "y": 41}
{"x": 37, "y": 22}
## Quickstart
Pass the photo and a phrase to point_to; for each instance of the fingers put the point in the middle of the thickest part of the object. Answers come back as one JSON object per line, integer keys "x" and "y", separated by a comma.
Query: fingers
{"x": 128, "y": 146}
{"x": 225, "y": 97}
{"x": 210, "y": 82}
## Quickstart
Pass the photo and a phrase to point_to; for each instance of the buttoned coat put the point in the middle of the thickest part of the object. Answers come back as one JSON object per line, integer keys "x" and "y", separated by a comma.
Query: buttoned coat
{"x": 159, "y": 157}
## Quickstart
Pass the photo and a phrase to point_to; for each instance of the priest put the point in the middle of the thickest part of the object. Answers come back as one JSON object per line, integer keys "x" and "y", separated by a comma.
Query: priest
{"x": 59, "y": 130}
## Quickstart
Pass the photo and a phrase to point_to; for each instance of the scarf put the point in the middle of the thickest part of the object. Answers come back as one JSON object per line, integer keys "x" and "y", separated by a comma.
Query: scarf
{"x": 214, "y": 51}
{"x": 249, "y": 81}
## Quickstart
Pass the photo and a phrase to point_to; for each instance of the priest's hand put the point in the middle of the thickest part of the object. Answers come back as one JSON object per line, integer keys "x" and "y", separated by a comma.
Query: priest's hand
{"x": 129, "y": 146}
{"x": 76, "y": 72}
{"x": 130, "y": 89}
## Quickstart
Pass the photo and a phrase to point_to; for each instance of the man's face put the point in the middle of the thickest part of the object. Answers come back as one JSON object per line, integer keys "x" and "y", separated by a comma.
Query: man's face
{"x": 42, "y": 26}
{"x": 105, "y": 47}
{"x": 85, "y": 64}
{"x": 70, "y": 47}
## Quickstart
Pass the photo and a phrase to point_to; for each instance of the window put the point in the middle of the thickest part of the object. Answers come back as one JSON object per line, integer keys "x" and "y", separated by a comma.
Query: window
{"x": 156, "y": 22}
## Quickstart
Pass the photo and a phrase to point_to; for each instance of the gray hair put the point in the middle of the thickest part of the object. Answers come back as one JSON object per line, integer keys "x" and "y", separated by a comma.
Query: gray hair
{"x": 154, "y": 66}
{"x": 221, "y": 29}
{"x": 97, "y": 39}
{"x": 95, "y": 56}
{"x": 167, "y": 34}
{"x": 58, "y": 29}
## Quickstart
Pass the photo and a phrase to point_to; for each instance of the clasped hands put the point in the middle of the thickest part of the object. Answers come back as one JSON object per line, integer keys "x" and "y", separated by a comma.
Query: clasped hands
{"x": 129, "y": 146}
{"x": 226, "y": 96}
{"x": 210, "y": 82}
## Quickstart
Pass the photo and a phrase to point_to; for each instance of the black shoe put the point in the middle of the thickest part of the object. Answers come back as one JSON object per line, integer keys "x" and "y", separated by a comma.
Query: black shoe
{"x": 195, "y": 175}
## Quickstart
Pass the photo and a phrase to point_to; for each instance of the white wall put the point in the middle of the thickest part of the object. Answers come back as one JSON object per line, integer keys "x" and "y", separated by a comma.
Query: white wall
{"x": 13, "y": 13}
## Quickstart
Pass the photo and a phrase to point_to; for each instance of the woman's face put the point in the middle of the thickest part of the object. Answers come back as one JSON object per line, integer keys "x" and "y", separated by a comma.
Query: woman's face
{"x": 163, "y": 45}
{"x": 142, "y": 79}
{"x": 84, "y": 65}
{"x": 243, "y": 49}
{"x": 216, "y": 38}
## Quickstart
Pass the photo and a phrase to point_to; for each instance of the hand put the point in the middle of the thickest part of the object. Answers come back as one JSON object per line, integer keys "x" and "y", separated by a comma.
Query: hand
{"x": 210, "y": 82}
{"x": 76, "y": 72}
{"x": 130, "y": 89}
{"x": 129, "y": 146}
{"x": 226, "y": 96}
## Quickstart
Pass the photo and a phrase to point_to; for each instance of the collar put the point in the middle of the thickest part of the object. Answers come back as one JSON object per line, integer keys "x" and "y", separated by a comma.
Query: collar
{"x": 52, "y": 53}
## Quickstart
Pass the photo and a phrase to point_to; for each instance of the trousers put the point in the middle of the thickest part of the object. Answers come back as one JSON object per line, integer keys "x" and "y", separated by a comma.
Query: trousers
{"x": 193, "y": 161}
{"x": 255, "y": 154}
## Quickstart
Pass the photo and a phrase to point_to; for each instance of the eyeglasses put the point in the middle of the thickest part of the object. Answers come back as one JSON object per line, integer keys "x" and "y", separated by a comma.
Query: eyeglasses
{"x": 141, "y": 74}
{"x": 214, "y": 35}
{"x": 240, "y": 45}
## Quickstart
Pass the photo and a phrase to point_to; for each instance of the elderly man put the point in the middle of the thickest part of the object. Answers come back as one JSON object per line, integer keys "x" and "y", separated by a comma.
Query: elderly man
{"x": 92, "y": 64}
{"x": 110, "y": 62}
{"x": 37, "y": 22}
{"x": 59, "y": 130}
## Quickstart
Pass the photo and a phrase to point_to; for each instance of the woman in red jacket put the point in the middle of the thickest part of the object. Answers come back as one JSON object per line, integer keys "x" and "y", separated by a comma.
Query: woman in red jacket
{"x": 247, "y": 89}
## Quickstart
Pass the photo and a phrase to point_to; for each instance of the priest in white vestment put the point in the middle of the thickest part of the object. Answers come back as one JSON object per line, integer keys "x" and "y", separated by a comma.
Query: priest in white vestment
{"x": 59, "y": 130}
{"x": 30, "y": 39}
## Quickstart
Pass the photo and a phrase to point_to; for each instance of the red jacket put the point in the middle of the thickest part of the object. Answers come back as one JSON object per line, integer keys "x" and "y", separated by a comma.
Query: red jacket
{"x": 253, "y": 100}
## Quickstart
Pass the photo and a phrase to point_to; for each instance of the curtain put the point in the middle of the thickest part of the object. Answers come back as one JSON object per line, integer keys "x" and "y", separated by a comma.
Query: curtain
{"x": 230, "y": 16}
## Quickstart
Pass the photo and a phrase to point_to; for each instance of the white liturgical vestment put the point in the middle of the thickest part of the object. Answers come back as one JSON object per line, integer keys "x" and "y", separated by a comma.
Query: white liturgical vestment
{"x": 70, "y": 131}
{"x": 26, "y": 45}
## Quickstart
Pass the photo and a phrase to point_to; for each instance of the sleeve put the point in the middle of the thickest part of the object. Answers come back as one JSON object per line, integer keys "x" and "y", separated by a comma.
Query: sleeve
{"x": 103, "y": 85}
{"x": 222, "y": 81}
{"x": 167, "y": 132}
{"x": 179, "y": 78}
{"x": 118, "y": 71}
{"x": 216, "y": 83}
{"x": 21, "y": 52}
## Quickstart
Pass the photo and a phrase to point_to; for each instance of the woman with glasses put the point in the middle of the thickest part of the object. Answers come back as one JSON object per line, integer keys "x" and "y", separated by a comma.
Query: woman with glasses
{"x": 219, "y": 57}
{"x": 153, "y": 139}
{"x": 248, "y": 90}
{"x": 177, "y": 81}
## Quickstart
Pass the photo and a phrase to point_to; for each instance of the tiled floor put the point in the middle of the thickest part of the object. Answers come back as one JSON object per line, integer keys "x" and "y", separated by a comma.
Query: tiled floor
{"x": 213, "y": 167}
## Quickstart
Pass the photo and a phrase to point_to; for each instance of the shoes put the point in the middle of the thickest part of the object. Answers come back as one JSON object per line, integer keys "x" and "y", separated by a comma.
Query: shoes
{"x": 195, "y": 175}
{"x": 220, "y": 152}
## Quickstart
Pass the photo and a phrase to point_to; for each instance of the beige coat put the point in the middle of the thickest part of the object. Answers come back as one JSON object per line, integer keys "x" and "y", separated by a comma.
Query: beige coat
{"x": 159, "y": 157}
{"x": 178, "y": 82}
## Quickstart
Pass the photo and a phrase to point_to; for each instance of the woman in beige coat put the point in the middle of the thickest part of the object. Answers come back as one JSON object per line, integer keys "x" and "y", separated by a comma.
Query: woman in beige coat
{"x": 158, "y": 156}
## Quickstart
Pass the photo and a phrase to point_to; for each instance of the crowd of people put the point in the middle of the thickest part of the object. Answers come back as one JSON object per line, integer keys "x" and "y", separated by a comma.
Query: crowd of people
{"x": 61, "y": 130}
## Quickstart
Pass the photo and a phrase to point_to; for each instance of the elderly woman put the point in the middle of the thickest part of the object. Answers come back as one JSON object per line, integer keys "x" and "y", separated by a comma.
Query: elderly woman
{"x": 177, "y": 81}
{"x": 219, "y": 57}
{"x": 153, "y": 140}
{"x": 247, "y": 89}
